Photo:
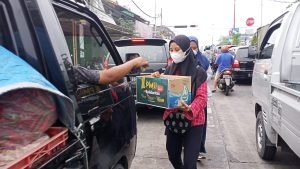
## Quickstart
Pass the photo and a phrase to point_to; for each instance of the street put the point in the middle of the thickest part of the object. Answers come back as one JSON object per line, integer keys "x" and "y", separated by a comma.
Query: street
{"x": 230, "y": 139}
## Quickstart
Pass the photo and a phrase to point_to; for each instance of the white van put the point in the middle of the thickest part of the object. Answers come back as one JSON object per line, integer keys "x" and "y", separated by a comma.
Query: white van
{"x": 276, "y": 86}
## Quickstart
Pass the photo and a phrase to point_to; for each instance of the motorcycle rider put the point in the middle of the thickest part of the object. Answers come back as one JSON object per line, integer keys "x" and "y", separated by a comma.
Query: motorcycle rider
{"x": 224, "y": 61}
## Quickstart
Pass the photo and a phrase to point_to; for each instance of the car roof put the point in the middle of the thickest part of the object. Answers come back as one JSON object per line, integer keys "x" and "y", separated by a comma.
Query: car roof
{"x": 140, "y": 41}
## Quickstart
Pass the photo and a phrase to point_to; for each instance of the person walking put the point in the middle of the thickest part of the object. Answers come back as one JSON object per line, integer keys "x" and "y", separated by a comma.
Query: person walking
{"x": 204, "y": 62}
{"x": 184, "y": 64}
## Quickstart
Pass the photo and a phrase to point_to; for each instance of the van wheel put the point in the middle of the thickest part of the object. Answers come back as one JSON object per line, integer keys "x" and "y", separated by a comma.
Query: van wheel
{"x": 119, "y": 166}
{"x": 227, "y": 90}
{"x": 264, "y": 149}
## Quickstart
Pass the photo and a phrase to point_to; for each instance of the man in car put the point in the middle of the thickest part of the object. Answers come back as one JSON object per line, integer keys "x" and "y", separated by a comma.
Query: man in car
{"x": 109, "y": 75}
{"x": 224, "y": 61}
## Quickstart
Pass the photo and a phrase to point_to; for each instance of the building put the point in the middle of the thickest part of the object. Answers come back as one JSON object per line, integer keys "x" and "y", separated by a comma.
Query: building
{"x": 163, "y": 32}
{"x": 135, "y": 25}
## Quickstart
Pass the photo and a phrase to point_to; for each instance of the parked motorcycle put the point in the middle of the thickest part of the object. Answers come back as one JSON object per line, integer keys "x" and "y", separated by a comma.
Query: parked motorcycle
{"x": 225, "y": 81}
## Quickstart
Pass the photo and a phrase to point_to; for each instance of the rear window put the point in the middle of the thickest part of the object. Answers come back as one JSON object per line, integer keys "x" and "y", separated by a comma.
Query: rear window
{"x": 155, "y": 54}
{"x": 242, "y": 53}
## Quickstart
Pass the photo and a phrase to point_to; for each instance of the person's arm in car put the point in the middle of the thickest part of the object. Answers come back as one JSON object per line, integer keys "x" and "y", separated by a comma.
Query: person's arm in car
{"x": 84, "y": 75}
{"x": 118, "y": 72}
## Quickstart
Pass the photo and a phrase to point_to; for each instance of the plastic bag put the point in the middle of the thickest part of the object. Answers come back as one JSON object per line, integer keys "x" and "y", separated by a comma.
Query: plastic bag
{"x": 25, "y": 115}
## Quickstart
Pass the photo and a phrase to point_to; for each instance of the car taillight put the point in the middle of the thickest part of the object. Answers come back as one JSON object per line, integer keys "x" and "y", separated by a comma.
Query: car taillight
{"x": 227, "y": 72}
{"x": 236, "y": 64}
{"x": 137, "y": 40}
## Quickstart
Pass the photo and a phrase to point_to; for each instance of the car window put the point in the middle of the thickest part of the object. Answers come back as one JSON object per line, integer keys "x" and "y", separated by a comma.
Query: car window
{"x": 86, "y": 46}
{"x": 154, "y": 54}
{"x": 267, "y": 49}
{"x": 242, "y": 53}
{"x": 5, "y": 38}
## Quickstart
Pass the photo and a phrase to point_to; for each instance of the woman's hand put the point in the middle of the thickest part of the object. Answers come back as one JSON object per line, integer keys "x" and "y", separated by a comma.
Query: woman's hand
{"x": 184, "y": 107}
{"x": 155, "y": 74}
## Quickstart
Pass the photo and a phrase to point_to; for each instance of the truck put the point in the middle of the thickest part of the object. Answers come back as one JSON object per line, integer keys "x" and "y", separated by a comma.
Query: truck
{"x": 53, "y": 36}
{"x": 276, "y": 86}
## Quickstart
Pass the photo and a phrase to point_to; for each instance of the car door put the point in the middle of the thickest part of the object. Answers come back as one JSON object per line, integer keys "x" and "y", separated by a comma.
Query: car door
{"x": 108, "y": 111}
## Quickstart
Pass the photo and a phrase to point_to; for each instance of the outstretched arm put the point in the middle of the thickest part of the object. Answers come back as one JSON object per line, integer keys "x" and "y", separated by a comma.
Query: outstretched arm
{"x": 118, "y": 72}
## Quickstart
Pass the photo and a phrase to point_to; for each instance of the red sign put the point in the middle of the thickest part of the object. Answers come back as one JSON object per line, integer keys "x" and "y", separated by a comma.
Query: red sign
{"x": 250, "y": 21}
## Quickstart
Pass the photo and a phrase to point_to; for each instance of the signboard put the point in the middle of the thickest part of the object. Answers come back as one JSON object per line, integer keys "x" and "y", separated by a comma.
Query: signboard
{"x": 250, "y": 21}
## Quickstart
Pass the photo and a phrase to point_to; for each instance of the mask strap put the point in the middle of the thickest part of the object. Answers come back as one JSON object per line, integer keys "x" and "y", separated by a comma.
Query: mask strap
{"x": 188, "y": 50}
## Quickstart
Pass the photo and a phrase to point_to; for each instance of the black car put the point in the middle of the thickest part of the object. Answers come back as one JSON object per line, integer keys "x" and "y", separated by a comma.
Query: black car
{"x": 154, "y": 50}
{"x": 53, "y": 36}
{"x": 244, "y": 60}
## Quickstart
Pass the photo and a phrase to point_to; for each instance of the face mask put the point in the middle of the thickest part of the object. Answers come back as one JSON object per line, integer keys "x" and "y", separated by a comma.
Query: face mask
{"x": 178, "y": 56}
{"x": 195, "y": 52}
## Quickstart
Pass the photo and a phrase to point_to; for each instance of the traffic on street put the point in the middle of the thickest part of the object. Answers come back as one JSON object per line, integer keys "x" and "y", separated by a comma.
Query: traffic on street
{"x": 139, "y": 84}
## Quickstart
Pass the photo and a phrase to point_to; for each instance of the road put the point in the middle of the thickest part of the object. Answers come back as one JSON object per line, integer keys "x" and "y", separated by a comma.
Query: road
{"x": 230, "y": 137}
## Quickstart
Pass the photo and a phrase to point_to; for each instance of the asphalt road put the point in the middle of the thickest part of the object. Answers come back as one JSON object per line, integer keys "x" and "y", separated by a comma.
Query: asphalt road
{"x": 230, "y": 137}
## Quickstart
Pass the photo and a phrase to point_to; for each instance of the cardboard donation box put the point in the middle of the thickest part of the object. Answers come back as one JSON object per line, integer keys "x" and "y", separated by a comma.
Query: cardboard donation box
{"x": 165, "y": 92}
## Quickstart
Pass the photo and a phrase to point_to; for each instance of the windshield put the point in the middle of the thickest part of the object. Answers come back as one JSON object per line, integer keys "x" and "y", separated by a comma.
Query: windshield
{"x": 242, "y": 53}
{"x": 154, "y": 54}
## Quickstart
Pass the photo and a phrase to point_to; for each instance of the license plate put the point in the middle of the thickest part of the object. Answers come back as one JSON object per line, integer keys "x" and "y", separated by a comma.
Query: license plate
{"x": 226, "y": 76}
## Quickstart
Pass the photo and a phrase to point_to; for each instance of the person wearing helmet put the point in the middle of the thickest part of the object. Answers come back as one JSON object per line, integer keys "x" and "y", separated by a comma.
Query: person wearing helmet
{"x": 224, "y": 61}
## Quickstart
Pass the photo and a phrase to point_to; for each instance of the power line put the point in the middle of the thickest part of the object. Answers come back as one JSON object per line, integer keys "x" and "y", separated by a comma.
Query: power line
{"x": 142, "y": 10}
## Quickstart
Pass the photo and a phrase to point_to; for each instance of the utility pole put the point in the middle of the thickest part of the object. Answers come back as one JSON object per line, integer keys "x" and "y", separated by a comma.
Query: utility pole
{"x": 155, "y": 19}
{"x": 234, "y": 14}
{"x": 261, "y": 12}
{"x": 160, "y": 17}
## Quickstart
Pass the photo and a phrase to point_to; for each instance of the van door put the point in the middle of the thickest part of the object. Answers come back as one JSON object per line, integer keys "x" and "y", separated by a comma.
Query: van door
{"x": 108, "y": 111}
{"x": 263, "y": 68}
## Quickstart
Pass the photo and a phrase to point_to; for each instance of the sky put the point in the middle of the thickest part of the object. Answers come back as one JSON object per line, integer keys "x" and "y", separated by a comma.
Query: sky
{"x": 213, "y": 17}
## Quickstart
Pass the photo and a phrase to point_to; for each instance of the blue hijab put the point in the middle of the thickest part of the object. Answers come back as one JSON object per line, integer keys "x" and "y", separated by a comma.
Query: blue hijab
{"x": 201, "y": 59}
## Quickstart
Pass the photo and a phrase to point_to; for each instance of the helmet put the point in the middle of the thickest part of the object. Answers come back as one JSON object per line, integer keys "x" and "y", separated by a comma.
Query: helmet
{"x": 224, "y": 48}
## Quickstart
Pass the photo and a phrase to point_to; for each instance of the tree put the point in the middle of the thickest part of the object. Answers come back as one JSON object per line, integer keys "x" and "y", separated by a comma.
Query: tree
{"x": 254, "y": 40}
{"x": 127, "y": 24}
{"x": 236, "y": 38}
{"x": 224, "y": 40}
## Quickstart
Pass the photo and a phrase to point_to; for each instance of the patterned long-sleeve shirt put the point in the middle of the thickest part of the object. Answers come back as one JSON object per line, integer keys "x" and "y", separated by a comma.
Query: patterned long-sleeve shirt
{"x": 196, "y": 113}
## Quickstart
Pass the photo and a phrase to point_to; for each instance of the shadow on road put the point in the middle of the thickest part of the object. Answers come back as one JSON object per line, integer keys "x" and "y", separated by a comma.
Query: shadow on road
{"x": 147, "y": 112}
{"x": 244, "y": 82}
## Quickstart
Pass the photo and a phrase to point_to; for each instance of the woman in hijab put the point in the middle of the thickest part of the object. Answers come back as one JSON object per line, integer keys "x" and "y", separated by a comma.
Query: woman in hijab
{"x": 184, "y": 64}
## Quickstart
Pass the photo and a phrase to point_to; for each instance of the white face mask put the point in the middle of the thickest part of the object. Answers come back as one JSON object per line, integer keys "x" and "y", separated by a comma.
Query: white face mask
{"x": 178, "y": 56}
{"x": 195, "y": 52}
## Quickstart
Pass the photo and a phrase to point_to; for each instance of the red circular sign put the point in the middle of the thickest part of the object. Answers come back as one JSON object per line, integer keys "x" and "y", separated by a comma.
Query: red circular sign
{"x": 250, "y": 21}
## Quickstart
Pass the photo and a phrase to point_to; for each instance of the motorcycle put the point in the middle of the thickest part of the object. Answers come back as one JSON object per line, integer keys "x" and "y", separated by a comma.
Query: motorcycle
{"x": 225, "y": 81}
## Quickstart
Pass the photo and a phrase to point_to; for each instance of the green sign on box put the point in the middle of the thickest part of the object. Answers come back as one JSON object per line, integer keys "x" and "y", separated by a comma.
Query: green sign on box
{"x": 165, "y": 92}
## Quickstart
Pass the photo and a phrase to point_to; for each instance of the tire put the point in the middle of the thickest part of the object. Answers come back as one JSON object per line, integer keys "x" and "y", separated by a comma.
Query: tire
{"x": 264, "y": 149}
{"x": 227, "y": 90}
{"x": 119, "y": 166}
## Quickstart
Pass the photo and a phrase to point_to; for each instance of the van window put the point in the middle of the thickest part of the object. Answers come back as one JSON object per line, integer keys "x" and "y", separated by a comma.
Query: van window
{"x": 86, "y": 46}
{"x": 5, "y": 38}
{"x": 267, "y": 50}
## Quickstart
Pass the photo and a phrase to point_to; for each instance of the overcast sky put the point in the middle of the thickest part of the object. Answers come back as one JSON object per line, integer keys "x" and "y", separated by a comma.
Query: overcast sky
{"x": 213, "y": 17}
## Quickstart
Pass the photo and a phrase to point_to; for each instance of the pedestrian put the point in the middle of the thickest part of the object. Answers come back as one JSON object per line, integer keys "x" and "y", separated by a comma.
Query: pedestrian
{"x": 204, "y": 62}
{"x": 201, "y": 59}
{"x": 224, "y": 61}
{"x": 184, "y": 64}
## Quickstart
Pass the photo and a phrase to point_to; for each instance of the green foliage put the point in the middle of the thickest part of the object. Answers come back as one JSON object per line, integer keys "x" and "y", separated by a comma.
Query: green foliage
{"x": 236, "y": 38}
{"x": 254, "y": 40}
{"x": 224, "y": 40}
{"x": 127, "y": 24}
